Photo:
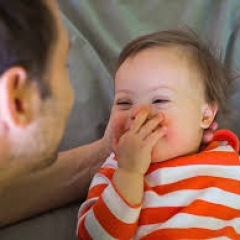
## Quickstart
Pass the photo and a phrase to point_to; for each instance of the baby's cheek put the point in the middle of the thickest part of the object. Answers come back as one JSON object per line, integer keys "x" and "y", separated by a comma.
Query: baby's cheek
{"x": 159, "y": 150}
{"x": 119, "y": 126}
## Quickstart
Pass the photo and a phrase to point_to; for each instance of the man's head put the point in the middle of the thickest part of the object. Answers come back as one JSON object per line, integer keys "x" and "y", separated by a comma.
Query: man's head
{"x": 35, "y": 94}
{"x": 171, "y": 73}
{"x": 27, "y": 34}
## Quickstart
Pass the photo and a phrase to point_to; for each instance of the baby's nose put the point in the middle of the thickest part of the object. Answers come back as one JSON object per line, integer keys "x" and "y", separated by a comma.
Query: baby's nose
{"x": 141, "y": 108}
{"x": 147, "y": 109}
{"x": 136, "y": 110}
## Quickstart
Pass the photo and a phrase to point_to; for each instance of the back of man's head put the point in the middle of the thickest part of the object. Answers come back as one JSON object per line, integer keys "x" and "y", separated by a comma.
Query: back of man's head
{"x": 27, "y": 34}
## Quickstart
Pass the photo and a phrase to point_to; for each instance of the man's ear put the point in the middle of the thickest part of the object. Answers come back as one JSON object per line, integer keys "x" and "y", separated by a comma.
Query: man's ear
{"x": 209, "y": 112}
{"x": 18, "y": 97}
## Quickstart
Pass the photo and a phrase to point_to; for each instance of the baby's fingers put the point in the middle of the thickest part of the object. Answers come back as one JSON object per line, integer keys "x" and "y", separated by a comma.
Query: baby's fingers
{"x": 155, "y": 136}
{"x": 139, "y": 121}
{"x": 150, "y": 126}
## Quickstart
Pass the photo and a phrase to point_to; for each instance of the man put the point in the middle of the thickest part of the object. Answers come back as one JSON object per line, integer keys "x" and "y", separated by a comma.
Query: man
{"x": 35, "y": 100}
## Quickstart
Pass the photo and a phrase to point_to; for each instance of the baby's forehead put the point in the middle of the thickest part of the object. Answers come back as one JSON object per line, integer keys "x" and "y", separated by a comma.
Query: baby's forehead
{"x": 161, "y": 65}
{"x": 191, "y": 56}
{"x": 184, "y": 52}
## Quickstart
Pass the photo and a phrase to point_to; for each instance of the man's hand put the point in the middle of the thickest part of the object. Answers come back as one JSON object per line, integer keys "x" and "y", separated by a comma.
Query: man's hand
{"x": 134, "y": 147}
{"x": 208, "y": 134}
{"x": 108, "y": 136}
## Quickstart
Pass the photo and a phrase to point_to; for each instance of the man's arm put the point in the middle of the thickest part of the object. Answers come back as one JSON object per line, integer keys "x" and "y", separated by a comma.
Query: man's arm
{"x": 66, "y": 180}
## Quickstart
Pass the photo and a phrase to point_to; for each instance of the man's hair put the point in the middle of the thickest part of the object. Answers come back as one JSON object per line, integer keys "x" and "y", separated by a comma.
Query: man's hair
{"x": 216, "y": 77}
{"x": 27, "y": 34}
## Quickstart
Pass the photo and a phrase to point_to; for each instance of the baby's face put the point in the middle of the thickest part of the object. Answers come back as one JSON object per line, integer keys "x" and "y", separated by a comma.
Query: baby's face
{"x": 162, "y": 80}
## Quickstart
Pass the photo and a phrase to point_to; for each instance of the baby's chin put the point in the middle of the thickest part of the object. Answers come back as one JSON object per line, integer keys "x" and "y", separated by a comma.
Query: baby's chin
{"x": 157, "y": 157}
{"x": 162, "y": 156}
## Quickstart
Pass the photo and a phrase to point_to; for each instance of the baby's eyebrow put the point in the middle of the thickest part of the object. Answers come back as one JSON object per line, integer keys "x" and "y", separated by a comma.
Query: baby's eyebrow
{"x": 162, "y": 87}
{"x": 124, "y": 91}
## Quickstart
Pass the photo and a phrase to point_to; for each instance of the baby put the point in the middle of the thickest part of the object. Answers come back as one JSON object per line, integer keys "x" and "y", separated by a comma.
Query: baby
{"x": 159, "y": 183}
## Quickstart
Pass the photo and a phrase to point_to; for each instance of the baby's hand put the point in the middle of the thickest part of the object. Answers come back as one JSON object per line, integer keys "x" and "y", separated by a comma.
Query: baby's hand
{"x": 134, "y": 147}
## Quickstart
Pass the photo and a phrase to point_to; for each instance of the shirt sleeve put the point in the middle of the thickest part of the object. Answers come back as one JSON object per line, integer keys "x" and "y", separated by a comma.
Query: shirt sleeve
{"x": 106, "y": 214}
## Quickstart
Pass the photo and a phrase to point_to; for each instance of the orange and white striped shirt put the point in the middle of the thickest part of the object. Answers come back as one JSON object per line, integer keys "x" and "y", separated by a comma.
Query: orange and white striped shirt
{"x": 192, "y": 197}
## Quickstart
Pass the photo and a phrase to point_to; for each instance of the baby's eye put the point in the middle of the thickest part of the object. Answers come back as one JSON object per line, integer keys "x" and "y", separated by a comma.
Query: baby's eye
{"x": 124, "y": 103}
{"x": 160, "y": 101}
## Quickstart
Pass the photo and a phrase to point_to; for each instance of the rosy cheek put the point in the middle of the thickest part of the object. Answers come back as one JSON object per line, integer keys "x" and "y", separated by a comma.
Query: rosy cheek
{"x": 155, "y": 157}
{"x": 118, "y": 126}
{"x": 166, "y": 123}
{"x": 172, "y": 128}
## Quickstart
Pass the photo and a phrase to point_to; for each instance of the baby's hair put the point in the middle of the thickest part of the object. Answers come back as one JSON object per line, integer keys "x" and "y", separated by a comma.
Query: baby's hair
{"x": 217, "y": 78}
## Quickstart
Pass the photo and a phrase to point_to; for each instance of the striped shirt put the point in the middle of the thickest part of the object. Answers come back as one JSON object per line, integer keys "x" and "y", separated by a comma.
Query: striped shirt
{"x": 191, "y": 197}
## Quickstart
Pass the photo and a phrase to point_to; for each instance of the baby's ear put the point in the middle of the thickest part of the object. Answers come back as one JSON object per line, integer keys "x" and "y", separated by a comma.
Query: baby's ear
{"x": 209, "y": 112}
